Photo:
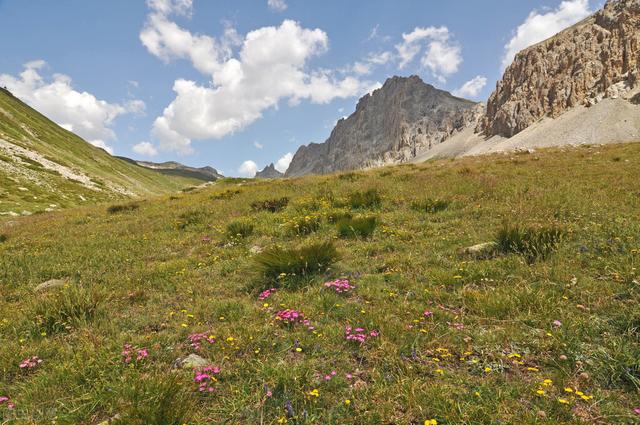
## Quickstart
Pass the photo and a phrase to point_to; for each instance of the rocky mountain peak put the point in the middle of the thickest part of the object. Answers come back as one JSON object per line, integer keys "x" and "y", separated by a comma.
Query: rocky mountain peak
{"x": 269, "y": 172}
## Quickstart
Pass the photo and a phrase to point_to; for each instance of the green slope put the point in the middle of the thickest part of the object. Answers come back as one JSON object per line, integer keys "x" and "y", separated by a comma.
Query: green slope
{"x": 35, "y": 153}
{"x": 505, "y": 338}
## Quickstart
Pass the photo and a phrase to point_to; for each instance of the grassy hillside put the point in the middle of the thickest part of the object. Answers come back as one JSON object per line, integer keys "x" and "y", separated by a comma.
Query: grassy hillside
{"x": 543, "y": 328}
{"x": 36, "y": 154}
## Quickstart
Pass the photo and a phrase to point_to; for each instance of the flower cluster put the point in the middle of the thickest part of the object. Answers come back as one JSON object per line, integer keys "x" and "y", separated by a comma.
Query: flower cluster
{"x": 7, "y": 400}
{"x": 195, "y": 340}
{"x": 289, "y": 316}
{"x": 205, "y": 378}
{"x": 266, "y": 294}
{"x": 30, "y": 363}
{"x": 340, "y": 286}
{"x": 128, "y": 352}
{"x": 359, "y": 334}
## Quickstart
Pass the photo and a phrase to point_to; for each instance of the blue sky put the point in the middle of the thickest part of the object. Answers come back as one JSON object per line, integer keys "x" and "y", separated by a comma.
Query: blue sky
{"x": 253, "y": 79}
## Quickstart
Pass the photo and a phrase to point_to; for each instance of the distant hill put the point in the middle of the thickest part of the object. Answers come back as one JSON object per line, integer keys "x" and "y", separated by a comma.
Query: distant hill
{"x": 269, "y": 172}
{"x": 175, "y": 169}
{"x": 44, "y": 167}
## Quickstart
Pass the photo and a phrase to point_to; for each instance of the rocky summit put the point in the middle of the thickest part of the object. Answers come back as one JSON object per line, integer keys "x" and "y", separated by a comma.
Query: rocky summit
{"x": 389, "y": 126}
{"x": 595, "y": 59}
{"x": 269, "y": 172}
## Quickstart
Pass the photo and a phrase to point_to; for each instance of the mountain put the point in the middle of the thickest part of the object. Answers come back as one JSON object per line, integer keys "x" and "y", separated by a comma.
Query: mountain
{"x": 172, "y": 168}
{"x": 595, "y": 59}
{"x": 389, "y": 126}
{"x": 44, "y": 167}
{"x": 269, "y": 172}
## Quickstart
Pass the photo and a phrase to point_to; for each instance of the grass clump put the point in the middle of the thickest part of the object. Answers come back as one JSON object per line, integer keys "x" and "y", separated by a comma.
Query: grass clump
{"x": 271, "y": 205}
{"x": 335, "y": 216}
{"x": 365, "y": 200}
{"x": 68, "y": 308}
{"x": 362, "y": 227}
{"x": 239, "y": 229}
{"x": 3, "y": 238}
{"x": 530, "y": 242}
{"x": 278, "y": 263}
{"x": 227, "y": 194}
{"x": 188, "y": 219}
{"x": 119, "y": 208}
{"x": 304, "y": 225}
{"x": 431, "y": 206}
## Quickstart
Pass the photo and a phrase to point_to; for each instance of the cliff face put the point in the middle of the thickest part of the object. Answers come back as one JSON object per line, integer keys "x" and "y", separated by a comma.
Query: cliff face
{"x": 389, "y": 126}
{"x": 595, "y": 59}
{"x": 269, "y": 172}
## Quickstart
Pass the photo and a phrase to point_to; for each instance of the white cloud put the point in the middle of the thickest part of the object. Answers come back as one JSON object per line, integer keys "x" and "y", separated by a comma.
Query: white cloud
{"x": 166, "y": 7}
{"x": 76, "y": 111}
{"x": 471, "y": 88}
{"x": 271, "y": 65}
{"x": 540, "y": 26}
{"x": 136, "y": 106}
{"x": 248, "y": 169}
{"x": 258, "y": 145}
{"x": 102, "y": 145}
{"x": 283, "y": 163}
{"x": 145, "y": 148}
{"x": 441, "y": 55}
{"x": 279, "y": 5}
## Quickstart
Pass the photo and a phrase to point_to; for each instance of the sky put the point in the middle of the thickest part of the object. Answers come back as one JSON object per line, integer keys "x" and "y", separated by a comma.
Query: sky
{"x": 239, "y": 84}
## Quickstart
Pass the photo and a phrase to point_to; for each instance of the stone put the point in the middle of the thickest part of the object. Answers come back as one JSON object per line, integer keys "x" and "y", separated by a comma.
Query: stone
{"x": 53, "y": 283}
{"x": 111, "y": 420}
{"x": 483, "y": 250}
{"x": 256, "y": 249}
{"x": 595, "y": 59}
{"x": 389, "y": 126}
{"x": 192, "y": 361}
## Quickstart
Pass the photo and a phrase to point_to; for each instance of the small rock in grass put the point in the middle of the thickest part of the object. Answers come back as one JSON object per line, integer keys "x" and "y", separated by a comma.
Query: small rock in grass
{"x": 256, "y": 249}
{"x": 192, "y": 361}
{"x": 53, "y": 283}
{"x": 114, "y": 419}
{"x": 483, "y": 250}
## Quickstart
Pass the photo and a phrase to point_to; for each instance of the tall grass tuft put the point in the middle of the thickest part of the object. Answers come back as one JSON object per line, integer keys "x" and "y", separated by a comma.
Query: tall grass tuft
{"x": 430, "y": 206}
{"x": 118, "y": 208}
{"x": 530, "y": 242}
{"x": 239, "y": 230}
{"x": 365, "y": 200}
{"x": 3, "y": 238}
{"x": 278, "y": 263}
{"x": 189, "y": 218}
{"x": 68, "y": 308}
{"x": 357, "y": 227}
{"x": 336, "y": 215}
{"x": 271, "y": 205}
{"x": 304, "y": 226}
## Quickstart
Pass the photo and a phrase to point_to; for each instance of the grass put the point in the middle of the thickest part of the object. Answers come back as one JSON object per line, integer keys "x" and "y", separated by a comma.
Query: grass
{"x": 304, "y": 226}
{"x": 239, "y": 229}
{"x": 356, "y": 227}
{"x": 499, "y": 327}
{"x": 430, "y": 206}
{"x": 271, "y": 205}
{"x": 118, "y": 208}
{"x": 530, "y": 242}
{"x": 365, "y": 200}
{"x": 3, "y": 238}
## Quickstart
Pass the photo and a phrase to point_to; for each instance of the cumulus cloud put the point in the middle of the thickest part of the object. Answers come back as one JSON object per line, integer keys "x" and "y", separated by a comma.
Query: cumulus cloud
{"x": 248, "y": 75}
{"x": 279, "y": 5}
{"x": 145, "y": 149}
{"x": 248, "y": 169}
{"x": 258, "y": 145}
{"x": 540, "y": 26}
{"x": 440, "y": 53}
{"x": 77, "y": 111}
{"x": 283, "y": 163}
{"x": 471, "y": 88}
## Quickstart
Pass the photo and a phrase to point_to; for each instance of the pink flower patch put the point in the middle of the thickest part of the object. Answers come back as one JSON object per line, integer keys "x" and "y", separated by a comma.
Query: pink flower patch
{"x": 340, "y": 286}
{"x": 266, "y": 294}
{"x": 30, "y": 363}
{"x": 205, "y": 378}
{"x": 6, "y": 400}
{"x": 128, "y": 354}
{"x": 196, "y": 340}
{"x": 360, "y": 334}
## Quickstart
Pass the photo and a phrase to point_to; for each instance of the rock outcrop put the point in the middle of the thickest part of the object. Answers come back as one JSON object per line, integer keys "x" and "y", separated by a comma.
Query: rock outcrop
{"x": 389, "y": 126}
{"x": 594, "y": 59}
{"x": 269, "y": 172}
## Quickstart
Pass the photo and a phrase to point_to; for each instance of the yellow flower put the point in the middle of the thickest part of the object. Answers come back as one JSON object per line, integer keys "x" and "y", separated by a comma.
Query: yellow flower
{"x": 430, "y": 422}
{"x": 487, "y": 369}
{"x": 568, "y": 390}
{"x": 533, "y": 369}
{"x": 298, "y": 350}
{"x": 314, "y": 393}
{"x": 347, "y": 402}
{"x": 540, "y": 392}
{"x": 563, "y": 401}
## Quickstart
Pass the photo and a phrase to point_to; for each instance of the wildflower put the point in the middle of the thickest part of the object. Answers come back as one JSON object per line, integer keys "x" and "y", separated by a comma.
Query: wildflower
{"x": 266, "y": 294}
{"x": 7, "y": 400}
{"x": 563, "y": 401}
{"x": 143, "y": 353}
{"x": 127, "y": 354}
{"x": 557, "y": 323}
{"x": 568, "y": 390}
{"x": 359, "y": 334}
{"x": 340, "y": 286}
{"x": 314, "y": 393}
{"x": 30, "y": 363}
{"x": 289, "y": 316}
{"x": 636, "y": 410}
{"x": 430, "y": 422}
{"x": 195, "y": 340}
{"x": 204, "y": 377}
{"x": 347, "y": 402}
{"x": 427, "y": 313}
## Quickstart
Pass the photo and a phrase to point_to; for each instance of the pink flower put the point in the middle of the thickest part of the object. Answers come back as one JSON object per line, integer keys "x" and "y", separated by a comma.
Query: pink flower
{"x": 636, "y": 410}
{"x": 5, "y": 399}
{"x": 290, "y": 316}
{"x": 557, "y": 323}
{"x": 340, "y": 286}
{"x": 428, "y": 313}
{"x": 266, "y": 294}
{"x": 359, "y": 334}
{"x": 349, "y": 376}
{"x": 196, "y": 340}
{"x": 204, "y": 377}
{"x": 143, "y": 353}
{"x": 30, "y": 362}
{"x": 127, "y": 356}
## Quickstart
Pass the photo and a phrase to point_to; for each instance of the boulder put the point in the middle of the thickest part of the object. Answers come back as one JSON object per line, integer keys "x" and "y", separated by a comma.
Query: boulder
{"x": 53, "y": 283}
{"x": 192, "y": 361}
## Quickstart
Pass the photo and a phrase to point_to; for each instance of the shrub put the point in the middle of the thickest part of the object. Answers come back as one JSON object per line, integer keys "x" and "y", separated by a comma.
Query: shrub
{"x": 118, "y": 208}
{"x": 304, "y": 225}
{"x": 188, "y": 219}
{"x": 430, "y": 206}
{"x": 303, "y": 262}
{"x": 65, "y": 309}
{"x": 239, "y": 229}
{"x": 227, "y": 194}
{"x": 271, "y": 205}
{"x": 531, "y": 243}
{"x": 369, "y": 199}
{"x": 356, "y": 227}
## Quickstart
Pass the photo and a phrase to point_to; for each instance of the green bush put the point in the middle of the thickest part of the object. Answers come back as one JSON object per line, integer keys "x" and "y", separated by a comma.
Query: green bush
{"x": 369, "y": 199}
{"x": 276, "y": 263}
{"x": 118, "y": 208}
{"x": 532, "y": 243}
{"x": 65, "y": 309}
{"x": 271, "y": 205}
{"x": 430, "y": 206}
{"x": 357, "y": 227}
{"x": 239, "y": 229}
{"x": 304, "y": 226}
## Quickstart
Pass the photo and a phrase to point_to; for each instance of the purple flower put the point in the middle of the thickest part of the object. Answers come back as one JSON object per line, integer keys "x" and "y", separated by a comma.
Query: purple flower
{"x": 636, "y": 410}
{"x": 340, "y": 286}
{"x": 557, "y": 323}
{"x": 266, "y": 294}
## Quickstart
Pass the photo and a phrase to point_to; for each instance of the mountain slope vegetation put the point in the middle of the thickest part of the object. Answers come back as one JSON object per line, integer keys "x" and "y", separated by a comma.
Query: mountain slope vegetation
{"x": 43, "y": 166}
{"x": 398, "y": 324}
